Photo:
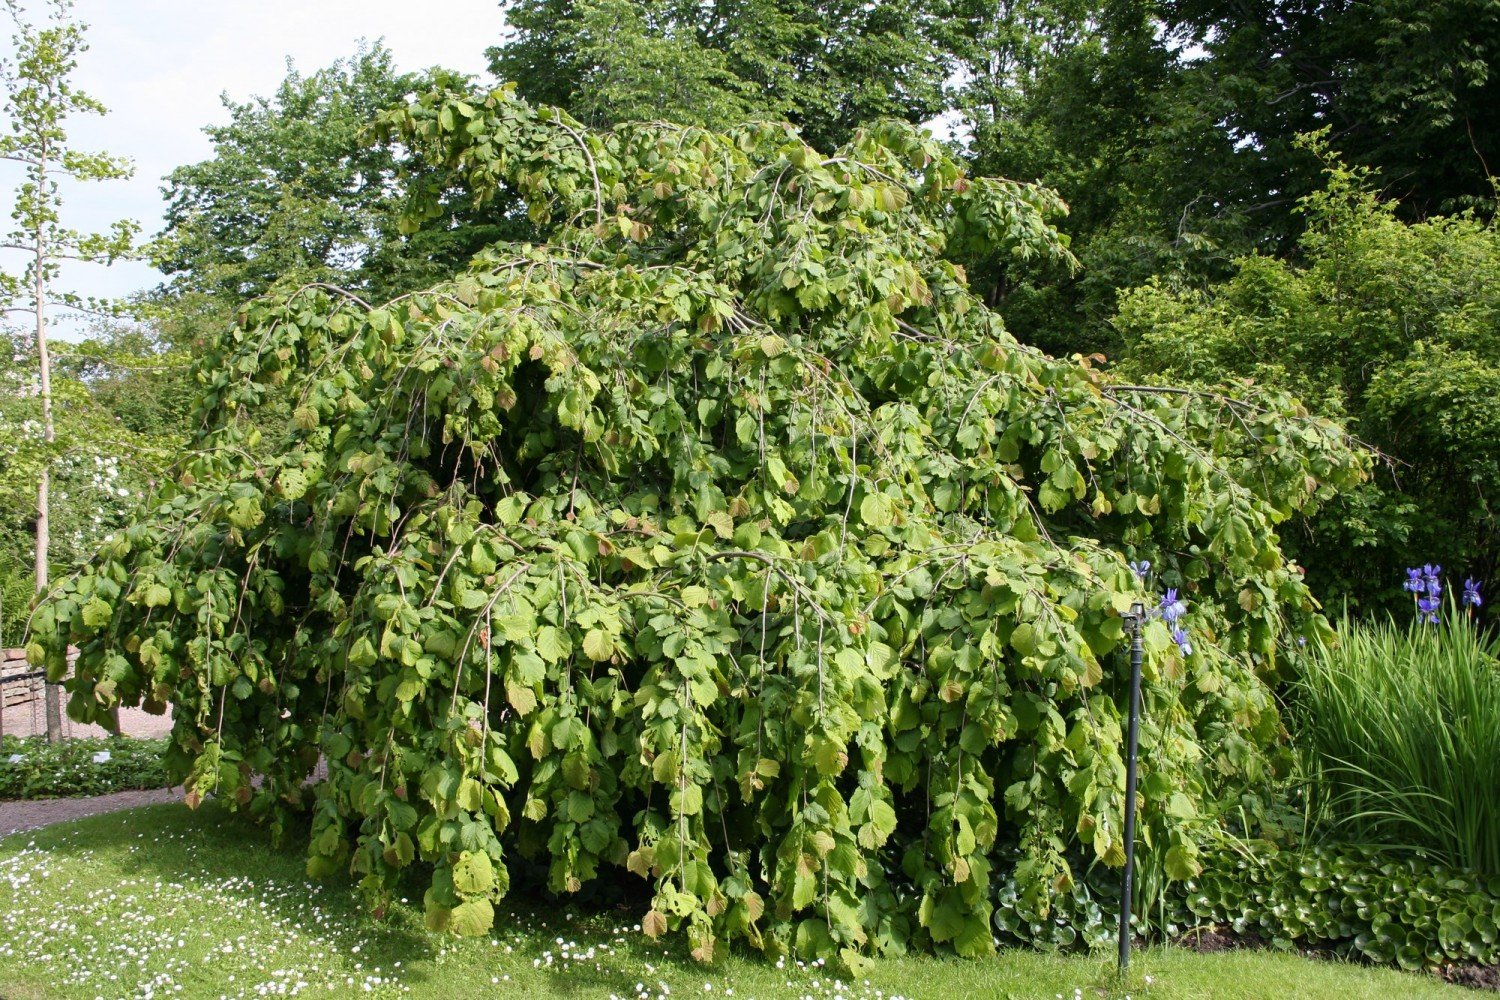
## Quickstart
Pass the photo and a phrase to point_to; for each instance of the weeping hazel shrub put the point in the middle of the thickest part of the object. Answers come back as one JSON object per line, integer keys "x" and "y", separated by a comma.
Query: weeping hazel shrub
{"x": 727, "y": 540}
{"x": 1401, "y": 729}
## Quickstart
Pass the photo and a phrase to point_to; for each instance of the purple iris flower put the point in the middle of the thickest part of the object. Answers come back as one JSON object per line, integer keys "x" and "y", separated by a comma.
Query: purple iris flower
{"x": 1413, "y": 582}
{"x": 1172, "y": 608}
{"x": 1427, "y": 609}
{"x": 1471, "y": 594}
{"x": 1141, "y": 569}
{"x": 1184, "y": 643}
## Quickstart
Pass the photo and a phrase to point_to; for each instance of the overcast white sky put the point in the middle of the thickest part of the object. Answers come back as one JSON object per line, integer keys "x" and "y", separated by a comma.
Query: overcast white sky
{"x": 160, "y": 66}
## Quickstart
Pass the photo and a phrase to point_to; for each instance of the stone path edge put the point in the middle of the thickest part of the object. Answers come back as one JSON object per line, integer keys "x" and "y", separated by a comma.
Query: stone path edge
{"x": 32, "y": 814}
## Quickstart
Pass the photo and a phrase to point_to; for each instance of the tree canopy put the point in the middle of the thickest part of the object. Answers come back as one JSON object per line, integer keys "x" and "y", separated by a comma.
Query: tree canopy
{"x": 298, "y": 190}
{"x": 825, "y": 67}
{"x": 727, "y": 537}
{"x": 1171, "y": 128}
{"x": 1391, "y": 326}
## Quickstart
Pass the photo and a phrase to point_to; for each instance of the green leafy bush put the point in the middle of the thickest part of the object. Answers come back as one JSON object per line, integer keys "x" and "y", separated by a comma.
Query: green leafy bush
{"x": 1401, "y": 728}
{"x": 1357, "y": 901}
{"x": 1392, "y": 326}
{"x": 728, "y": 540}
{"x": 35, "y": 769}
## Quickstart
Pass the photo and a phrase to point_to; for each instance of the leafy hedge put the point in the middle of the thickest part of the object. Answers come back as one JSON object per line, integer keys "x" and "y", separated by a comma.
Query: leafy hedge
{"x": 35, "y": 769}
{"x": 728, "y": 539}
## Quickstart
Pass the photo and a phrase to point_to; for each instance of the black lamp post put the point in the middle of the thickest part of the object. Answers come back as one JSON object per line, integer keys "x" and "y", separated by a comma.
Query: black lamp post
{"x": 1135, "y": 621}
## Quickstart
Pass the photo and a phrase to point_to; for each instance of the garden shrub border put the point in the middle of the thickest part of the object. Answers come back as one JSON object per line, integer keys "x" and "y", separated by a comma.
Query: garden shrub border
{"x": 1353, "y": 902}
{"x": 70, "y": 768}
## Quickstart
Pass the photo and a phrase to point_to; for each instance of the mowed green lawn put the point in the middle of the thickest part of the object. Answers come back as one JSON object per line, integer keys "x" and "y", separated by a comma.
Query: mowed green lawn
{"x": 163, "y": 902}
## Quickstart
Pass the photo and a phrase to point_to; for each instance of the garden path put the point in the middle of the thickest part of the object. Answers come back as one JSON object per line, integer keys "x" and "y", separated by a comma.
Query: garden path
{"x": 28, "y": 815}
{"x": 34, "y": 813}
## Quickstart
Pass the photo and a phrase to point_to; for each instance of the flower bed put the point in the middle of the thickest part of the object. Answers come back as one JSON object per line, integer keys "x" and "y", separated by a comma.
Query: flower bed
{"x": 35, "y": 769}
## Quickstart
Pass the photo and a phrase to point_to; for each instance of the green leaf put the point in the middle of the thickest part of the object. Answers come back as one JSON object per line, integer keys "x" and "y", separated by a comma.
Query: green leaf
{"x": 1023, "y": 639}
{"x": 471, "y": 918}
{"x": 552, "y": 645}
{"x": 597, "y": 645}
{"x": 875, "y": 510}
{"x": 96, "y": 613}
{"x": 473, "y": 874}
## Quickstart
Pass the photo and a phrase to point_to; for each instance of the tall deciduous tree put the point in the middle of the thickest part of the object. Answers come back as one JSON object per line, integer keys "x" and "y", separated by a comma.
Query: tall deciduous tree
{"x": 1404, "y": 86}
{"x": 39, "y": 100}
{"x": 119, "y": 400}
{"x": 298, "y": 192}
{"x": 826, "y": 67}
{"x": 1170, "y": 127}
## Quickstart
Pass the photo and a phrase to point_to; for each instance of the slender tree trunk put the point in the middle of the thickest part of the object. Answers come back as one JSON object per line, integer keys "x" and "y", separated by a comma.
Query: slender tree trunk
{"x": 53, "y": 695}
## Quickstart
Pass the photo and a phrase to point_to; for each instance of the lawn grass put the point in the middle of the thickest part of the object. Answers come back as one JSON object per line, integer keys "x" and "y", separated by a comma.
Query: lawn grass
{"x": 163, "y": 902}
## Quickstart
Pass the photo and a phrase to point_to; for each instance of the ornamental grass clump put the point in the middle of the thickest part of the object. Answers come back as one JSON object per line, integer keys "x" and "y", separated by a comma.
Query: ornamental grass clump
{"x": 1401, "y": 727}
{"x": 726, "y": 539}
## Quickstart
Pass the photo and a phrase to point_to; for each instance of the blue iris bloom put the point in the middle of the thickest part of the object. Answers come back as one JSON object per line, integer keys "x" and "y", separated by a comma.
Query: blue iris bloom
{"x": 1427, "y": 609}
{"x": 1172, "y": 608}
{"x": 1471, "y": 594}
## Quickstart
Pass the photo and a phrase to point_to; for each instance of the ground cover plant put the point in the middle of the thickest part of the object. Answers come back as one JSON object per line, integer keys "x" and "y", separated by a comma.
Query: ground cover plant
{"x": 1360, "y": 902}
{"x": 36, "y": 769}
{"x": 164, "y": 902}
{"x": 725, "y": 540}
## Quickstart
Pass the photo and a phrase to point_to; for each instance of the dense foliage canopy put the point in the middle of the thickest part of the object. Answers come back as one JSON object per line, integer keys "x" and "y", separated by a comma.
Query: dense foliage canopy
{"x": 828, "y": 67}
{"x": 297, "y": 191}
{"x": 1394, "y": 327}
{"x": 727, "y": 538}
{"x": 1171, "y": 127}
{"x": 121, "y": 401}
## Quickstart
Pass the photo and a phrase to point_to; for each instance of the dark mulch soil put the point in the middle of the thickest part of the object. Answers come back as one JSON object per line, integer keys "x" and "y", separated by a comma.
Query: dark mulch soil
{"x": 1211, "y": 939}
{"x": 1476, "y": 977}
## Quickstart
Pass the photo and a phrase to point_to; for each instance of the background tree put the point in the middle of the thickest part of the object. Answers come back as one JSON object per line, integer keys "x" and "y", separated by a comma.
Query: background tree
{"x": 39, "y": 100}
{"x": 297, "y": 191}
{"x": 1394, "y": 326}
{"x": 1082, "y": 95}
{"x": 1170, "y": 127}
{"x": 1405, "y": 87}
{"x": 826, "y": 67}
{"x": 120, "y": 406}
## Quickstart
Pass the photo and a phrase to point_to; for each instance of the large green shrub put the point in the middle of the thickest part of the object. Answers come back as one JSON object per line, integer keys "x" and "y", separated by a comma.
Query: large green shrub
{"x": 1401, "y": 729}
{"x": 727, "y": 540}
{"x": 1392, "y": 326}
